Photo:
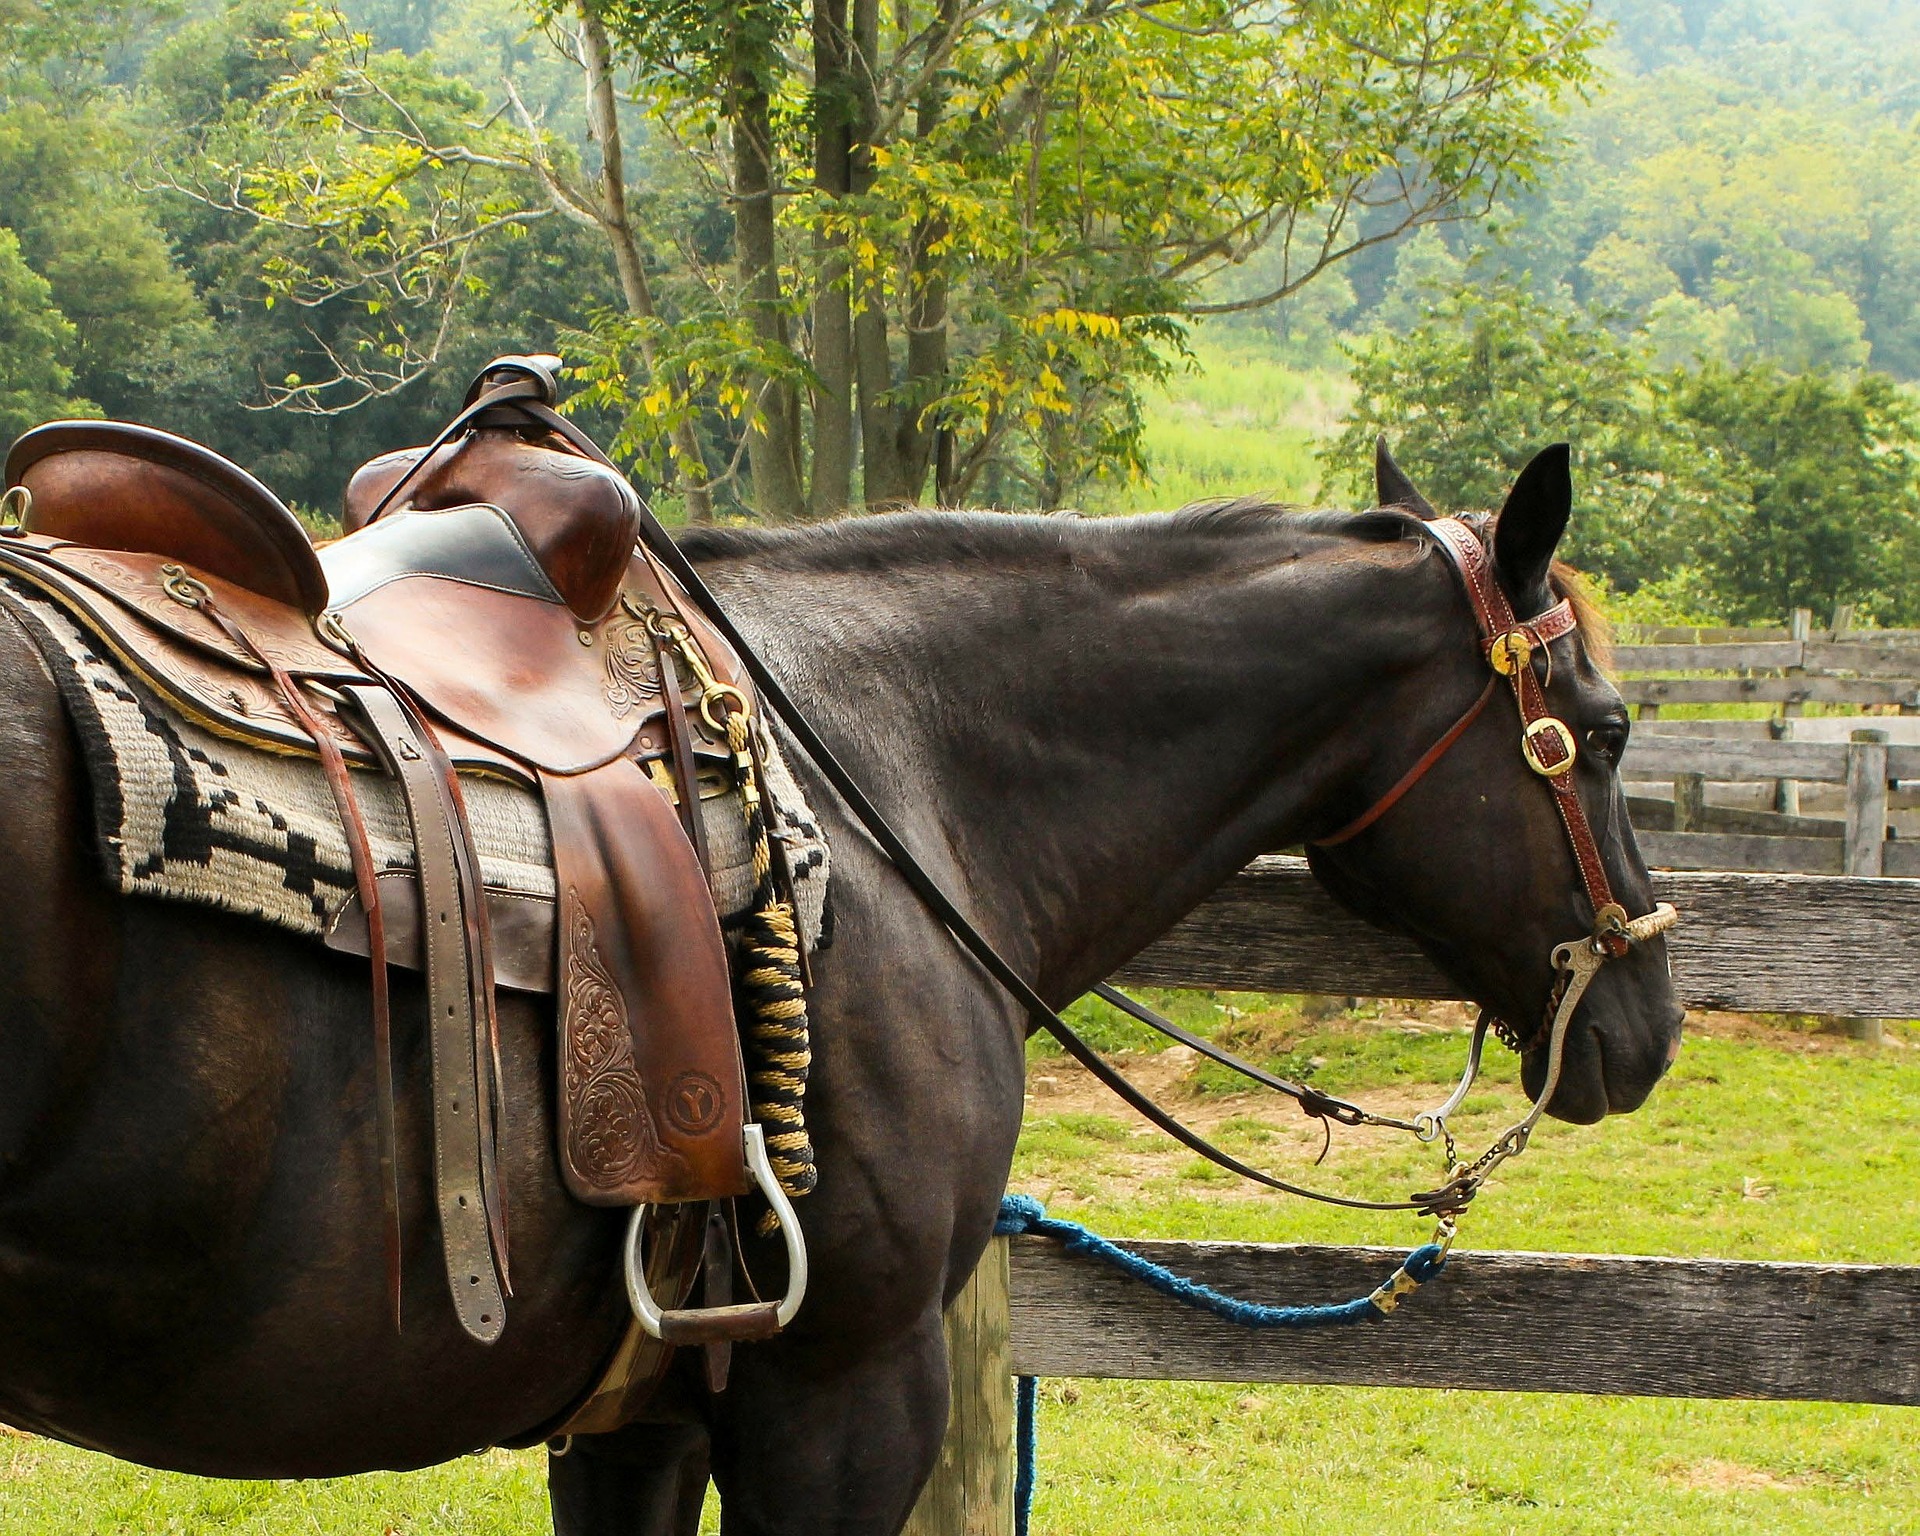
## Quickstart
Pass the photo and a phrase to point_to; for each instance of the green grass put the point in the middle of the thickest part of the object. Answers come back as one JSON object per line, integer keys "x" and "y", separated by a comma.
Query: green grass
{"x": 1751, "y": 1149}
{"x": 1244, "y": 424}
{"x": 1783, "y": 1145}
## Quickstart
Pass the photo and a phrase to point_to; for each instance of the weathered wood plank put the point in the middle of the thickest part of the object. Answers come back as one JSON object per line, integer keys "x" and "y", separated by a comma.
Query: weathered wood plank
{"x": 1880, "y": 657}
{"x": 1493, "y": 1321}
{"x": 1859, "y": 691}
{"x": 1744, "y": 656}
{"x": 1759, "y": 853}
{"x": 1655, "y": 755}
{"x": 1650, "y": 815}
{"x": 1759, "y": 943}
{"x": 971, "y": 1490}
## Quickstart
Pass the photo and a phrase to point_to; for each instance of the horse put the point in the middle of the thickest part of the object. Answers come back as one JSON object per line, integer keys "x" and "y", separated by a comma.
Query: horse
{"x": 1081, "y": 726}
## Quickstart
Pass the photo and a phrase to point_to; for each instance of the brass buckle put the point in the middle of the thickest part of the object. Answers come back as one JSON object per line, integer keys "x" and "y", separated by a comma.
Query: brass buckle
{"x": 1547, "y": 725}
{"x": 1510, "y": 652}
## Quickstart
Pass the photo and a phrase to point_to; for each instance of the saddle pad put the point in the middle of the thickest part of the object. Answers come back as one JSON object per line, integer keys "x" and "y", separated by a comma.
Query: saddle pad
{"x": 185, "y": 815}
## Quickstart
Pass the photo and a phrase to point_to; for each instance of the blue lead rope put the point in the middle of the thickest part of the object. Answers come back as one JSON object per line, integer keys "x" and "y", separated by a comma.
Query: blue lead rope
{"x": 1023, "y": 1215}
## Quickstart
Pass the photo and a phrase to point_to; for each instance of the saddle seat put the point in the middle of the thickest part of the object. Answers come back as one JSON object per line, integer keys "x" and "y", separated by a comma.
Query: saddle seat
{"x": 489, "y": 608}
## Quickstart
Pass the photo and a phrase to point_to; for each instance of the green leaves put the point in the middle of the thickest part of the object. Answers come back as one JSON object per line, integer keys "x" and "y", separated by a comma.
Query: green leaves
{"x": 1748, "y": 492}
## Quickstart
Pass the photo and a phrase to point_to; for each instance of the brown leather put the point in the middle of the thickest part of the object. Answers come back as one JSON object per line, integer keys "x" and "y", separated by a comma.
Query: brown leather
{"x": 521, "y": 925}
{"x": 519, "y": 674}
{"x": 1495, "y": 617}
{"x": 579, "y": 518}
{"x": 654, "y": 1097}
{"x": 740, "y": 1323}
{"x": 716, "y": 1290}
{"x": 460, "y": 1068}
{"x": 686, "y": 771}
{"x": 114, "y": 485}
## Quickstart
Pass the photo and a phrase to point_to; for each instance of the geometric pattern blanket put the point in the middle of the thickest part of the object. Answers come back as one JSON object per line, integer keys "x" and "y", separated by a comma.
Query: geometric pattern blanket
{"x": 185, "y": 815}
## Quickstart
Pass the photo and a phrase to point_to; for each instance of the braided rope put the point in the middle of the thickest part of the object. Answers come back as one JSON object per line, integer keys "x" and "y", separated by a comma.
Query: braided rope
{"x": 772, "y": 997}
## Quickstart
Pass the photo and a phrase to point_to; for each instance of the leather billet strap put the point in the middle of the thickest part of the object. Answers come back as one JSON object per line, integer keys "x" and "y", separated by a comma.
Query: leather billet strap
{"x": 462, "y": 1093}
{"x": 1546, "y": 741}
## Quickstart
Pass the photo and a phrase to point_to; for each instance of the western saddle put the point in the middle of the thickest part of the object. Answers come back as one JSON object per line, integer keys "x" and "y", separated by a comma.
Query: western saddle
{"x": 490, "y": 609}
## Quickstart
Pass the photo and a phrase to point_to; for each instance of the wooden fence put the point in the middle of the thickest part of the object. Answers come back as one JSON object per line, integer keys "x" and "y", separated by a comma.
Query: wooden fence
{"x": 1500, "y": 1321}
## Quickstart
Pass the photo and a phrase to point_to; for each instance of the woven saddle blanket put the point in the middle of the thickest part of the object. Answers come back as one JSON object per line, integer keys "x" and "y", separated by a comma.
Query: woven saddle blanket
{"x": 185, "y": 815}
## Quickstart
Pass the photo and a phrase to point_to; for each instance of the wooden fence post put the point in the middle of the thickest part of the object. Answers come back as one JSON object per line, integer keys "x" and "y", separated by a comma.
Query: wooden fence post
{"x": 1689, "y": 802}
{"x": 971, "y": 1490}
{"x": 1865, "y": 851}
{"x": 1786, "y": 793}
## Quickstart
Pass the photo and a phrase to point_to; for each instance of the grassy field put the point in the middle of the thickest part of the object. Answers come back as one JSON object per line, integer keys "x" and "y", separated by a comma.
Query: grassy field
{"x": 1244, "y": 425}
{"x": 1769, "y": 1140}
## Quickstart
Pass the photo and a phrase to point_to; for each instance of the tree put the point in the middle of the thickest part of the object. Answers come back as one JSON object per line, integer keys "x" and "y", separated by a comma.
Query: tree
{"x": 34, "y": 338}
{"x": 1825, "y": 505}
{"x": 1752, "y": 490}
{"x": 962, "y": 232}
{"x": 1490, "y": 376}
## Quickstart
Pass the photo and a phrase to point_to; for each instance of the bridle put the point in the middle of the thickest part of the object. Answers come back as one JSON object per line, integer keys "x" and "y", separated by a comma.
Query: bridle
{"x": 1512, "y": 650}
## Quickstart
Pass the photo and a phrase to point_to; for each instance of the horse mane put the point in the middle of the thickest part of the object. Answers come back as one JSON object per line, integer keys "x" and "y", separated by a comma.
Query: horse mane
{"x": 921, "y": 537}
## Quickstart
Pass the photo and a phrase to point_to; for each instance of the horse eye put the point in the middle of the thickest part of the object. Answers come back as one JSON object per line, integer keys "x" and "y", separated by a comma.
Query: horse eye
{"x": 1608, "y": 742}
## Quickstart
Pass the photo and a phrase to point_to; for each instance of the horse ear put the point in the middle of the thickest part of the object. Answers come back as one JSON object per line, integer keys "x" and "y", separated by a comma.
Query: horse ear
{"x": 1391, "y": 487}
{"x": 1530, "y": 524}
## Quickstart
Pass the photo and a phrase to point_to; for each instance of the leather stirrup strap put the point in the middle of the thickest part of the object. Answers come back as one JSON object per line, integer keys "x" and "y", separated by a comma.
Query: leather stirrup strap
{"x": 686, "y": 771}
{"x": 460, "y": 1095}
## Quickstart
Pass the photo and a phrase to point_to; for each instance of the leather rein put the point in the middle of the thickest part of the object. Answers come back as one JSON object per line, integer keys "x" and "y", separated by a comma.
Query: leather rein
{"x": 1546, "y": 742}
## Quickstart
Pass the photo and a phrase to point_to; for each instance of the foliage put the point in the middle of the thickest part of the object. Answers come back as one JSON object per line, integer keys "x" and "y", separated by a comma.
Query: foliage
{"x": 1032, "y": 197}
{"x": 34, "y": 336}
{"x": 1768, "y": 490}
{"x": 1827, "y": 507}
{"x": 1486, "y": 378}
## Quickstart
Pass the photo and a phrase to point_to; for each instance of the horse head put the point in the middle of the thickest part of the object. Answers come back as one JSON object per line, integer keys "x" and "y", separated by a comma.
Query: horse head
{"x": 1475, "y": 860}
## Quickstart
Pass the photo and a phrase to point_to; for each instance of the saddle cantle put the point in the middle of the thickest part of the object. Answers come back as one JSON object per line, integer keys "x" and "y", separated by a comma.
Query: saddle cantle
{"x": 487, "y": 610}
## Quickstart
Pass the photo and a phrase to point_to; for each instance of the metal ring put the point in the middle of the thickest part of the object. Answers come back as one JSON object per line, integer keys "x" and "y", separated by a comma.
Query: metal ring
{"x": 717, "y": 693}
{"x": 332, "y": 630}
{"x": 646, "y": 1311}
{"x": 16, "y": 502}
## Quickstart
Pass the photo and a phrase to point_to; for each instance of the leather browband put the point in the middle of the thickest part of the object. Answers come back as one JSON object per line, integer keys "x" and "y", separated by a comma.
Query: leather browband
{"x": 1548, "y": 745}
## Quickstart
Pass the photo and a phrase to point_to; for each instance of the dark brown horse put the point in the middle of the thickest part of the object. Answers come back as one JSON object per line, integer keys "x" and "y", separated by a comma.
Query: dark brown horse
{"x": 1083, "y": 727}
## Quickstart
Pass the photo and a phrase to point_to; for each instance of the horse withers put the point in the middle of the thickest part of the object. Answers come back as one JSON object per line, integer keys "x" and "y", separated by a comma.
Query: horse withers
{"x": 1081, "y": 727}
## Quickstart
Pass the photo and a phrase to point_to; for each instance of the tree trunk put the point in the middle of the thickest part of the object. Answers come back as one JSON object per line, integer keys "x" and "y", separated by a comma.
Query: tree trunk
{"x": 885, "y": 480}
{"x": 833, "y": 92}
{"x": 917, "y": 430}
{"x": 689, "y": 464}
{"x": 772, "y": 453}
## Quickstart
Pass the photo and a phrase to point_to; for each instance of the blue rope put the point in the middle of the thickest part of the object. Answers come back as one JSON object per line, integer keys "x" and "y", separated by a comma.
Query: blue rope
{"x": 1022, "y": 1215}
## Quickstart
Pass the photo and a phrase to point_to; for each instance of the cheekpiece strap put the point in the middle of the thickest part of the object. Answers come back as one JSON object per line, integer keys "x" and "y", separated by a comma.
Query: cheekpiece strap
{"x": 1546, "y": 741}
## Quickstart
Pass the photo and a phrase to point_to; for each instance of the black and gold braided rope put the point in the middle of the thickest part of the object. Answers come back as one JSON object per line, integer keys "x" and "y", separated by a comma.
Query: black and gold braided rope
{"x": 772, "y": 997}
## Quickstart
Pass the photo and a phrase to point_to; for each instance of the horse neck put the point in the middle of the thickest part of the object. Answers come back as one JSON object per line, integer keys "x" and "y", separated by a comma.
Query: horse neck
{"x": 1090, "y": 725}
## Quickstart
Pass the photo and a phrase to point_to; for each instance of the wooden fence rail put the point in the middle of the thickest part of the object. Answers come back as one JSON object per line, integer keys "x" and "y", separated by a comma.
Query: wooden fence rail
{"x": 1499, "y": 1321}
{"x": 1751, "y": 942}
